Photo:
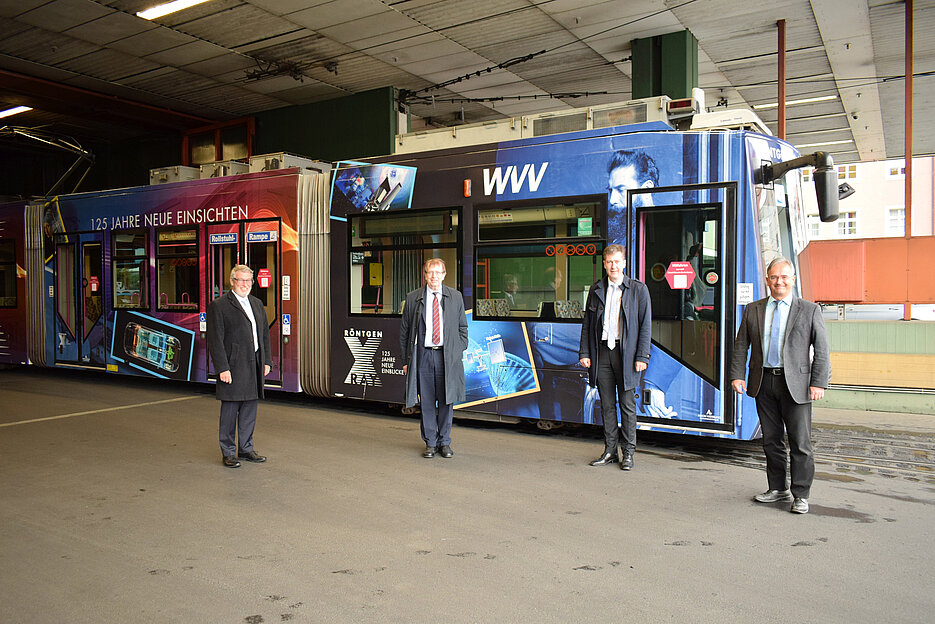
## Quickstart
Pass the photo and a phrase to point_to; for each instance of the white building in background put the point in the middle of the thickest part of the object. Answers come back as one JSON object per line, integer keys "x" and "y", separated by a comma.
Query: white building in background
{"x": 877, "y": 208}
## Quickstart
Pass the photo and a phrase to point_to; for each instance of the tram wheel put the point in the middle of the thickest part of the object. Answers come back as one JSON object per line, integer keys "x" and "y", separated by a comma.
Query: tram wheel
{"x": 548, "y": 425}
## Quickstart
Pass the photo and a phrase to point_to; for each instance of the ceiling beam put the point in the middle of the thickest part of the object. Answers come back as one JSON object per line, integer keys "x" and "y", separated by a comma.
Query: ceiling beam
{"x": 60, "y": 98}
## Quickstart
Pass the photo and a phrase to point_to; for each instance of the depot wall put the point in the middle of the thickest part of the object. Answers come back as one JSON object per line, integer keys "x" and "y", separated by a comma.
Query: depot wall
{"x": 882, "y": 366}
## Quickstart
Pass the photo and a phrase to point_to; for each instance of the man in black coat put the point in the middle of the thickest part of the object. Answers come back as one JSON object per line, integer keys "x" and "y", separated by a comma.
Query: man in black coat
{"x": 433, "y": 335}
{"x": 614, "y": 347}
{"x": 238, "y": 340}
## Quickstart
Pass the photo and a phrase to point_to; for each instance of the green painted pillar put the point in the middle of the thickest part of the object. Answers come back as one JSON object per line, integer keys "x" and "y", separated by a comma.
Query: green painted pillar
{"x": 665, "y": 65}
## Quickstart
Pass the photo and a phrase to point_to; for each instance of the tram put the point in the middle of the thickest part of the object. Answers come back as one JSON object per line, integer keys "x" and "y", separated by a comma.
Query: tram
{"x": 120, "y": 280}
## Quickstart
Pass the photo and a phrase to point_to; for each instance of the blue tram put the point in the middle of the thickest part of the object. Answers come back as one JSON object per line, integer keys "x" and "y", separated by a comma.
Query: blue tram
{"x": 120, "y": 280}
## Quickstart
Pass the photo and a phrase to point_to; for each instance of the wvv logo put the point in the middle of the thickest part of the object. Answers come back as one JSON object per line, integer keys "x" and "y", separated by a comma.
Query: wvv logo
{"x": 498, "y": 178}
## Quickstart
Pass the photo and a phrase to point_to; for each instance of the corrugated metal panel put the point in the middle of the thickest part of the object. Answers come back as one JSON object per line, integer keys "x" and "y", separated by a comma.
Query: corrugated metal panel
{"x": 108, "y": 65}
{"x": 565, "y": 123}
{"x": 44, "y": 47}
{"x": 237, "y": 26}
{"x": 313, "y": 327}
{"x": 442, "y": 15}
{"x": 35, "y": 285}
{"x": 420, "y": 42}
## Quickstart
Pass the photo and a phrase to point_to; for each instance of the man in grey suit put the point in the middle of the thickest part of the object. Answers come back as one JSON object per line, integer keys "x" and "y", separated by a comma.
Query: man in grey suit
{"x": 238, "y": 340}
{"x": 433, "y": 336}
{"x": 790, "y": 367}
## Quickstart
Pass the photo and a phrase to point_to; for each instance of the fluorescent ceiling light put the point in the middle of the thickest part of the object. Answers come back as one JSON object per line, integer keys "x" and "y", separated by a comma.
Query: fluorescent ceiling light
{"x": 168, "y": 7}
{"x": 823, "y": 98}
{"x": 15, "y": 110}
{"x": 825, "y": 143}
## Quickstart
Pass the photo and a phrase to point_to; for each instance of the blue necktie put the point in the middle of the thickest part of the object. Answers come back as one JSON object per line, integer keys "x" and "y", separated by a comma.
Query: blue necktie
{"x": 772, "y": 355}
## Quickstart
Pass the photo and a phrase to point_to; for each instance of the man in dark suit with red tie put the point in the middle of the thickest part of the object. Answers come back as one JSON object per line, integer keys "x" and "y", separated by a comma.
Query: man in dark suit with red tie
{"x": 433, "y": 336}
{"x": 790, "y": 367}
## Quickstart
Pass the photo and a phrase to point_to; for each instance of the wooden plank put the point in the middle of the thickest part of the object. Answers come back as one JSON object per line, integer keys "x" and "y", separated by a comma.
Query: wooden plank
{"x": 894, "y": 370}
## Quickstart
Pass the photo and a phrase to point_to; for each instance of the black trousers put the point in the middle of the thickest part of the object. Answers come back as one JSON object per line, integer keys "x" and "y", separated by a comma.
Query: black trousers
{"x": 612, "y": 393}
{"x": 778, "y": 412}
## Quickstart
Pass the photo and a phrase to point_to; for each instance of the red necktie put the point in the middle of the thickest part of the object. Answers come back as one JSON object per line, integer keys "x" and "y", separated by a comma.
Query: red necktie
{"x": 436, "y": 329}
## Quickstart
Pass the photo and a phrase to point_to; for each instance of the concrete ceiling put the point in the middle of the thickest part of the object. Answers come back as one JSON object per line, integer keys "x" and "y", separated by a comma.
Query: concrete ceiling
{"x": 92, "y": 69}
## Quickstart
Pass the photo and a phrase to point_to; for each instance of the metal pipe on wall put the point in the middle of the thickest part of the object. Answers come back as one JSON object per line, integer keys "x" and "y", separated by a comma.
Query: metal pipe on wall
{"x": 781, "y": 47}
{"x": 907, "y": 306}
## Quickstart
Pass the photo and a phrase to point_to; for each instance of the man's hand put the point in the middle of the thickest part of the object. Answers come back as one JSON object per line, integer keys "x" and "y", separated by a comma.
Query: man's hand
{"x": 815, "y": 393}
{"x": 739, "y": 385}
{"x": 225, "y": 376}
{"x": 640, "y": 366}
{"x": 405, "y": 368}
{"x": 266, "y": 370}
{"x": 586, "y": 362}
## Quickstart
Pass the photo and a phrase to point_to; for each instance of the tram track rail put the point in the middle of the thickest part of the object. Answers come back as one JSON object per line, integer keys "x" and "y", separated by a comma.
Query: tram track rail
{"x": 840, "y": 454}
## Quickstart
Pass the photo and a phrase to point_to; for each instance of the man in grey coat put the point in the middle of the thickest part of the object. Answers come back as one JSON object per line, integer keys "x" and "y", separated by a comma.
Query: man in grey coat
{"x": 433, "y": 336}
{"x": 615, "y": 342}
{"x": 790, "y": 367}
{"x": 238, "y": 341}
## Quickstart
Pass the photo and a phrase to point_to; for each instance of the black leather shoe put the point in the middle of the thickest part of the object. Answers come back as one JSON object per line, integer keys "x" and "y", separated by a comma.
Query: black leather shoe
{"x": 627, "y": 463}
{"x": 429, "y": 452}
{"x": 231, "y": 462}
{"x": 446, "y": 452}
{"x": 606, "y": 458}
{"x": 251, "y": 457}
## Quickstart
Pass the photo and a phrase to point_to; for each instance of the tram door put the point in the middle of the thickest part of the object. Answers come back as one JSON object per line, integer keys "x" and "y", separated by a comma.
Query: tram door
{"x": 263, "y": 255}
{"x": 79, "y": 301}
{"x": 684, "y": 253}
{"x": 255, "y": 244}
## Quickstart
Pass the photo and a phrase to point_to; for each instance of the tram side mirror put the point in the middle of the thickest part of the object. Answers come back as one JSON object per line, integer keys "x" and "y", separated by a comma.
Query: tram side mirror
{"x": 826, "y": 189}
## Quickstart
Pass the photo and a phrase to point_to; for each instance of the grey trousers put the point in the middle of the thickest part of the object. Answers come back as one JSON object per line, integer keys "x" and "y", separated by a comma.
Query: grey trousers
{"x": 237, "y": 417}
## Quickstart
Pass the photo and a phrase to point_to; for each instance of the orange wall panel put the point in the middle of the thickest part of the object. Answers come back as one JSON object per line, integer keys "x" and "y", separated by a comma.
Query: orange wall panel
{"x": 833, "y": 271}
{"x": 885, "y": 280}
{"x": 869, "y": 270}
{"x": 921, "y": 262}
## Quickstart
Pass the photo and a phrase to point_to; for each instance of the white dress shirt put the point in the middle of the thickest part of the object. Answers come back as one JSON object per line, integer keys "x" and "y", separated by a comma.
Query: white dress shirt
{"x": 429, "y": 296}
{"x": 245, "y": 304}
{"x": 611, "y": 332}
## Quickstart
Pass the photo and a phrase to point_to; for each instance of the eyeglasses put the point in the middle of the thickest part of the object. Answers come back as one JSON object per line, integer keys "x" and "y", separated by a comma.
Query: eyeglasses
{"x": 249, "y": 280}
{"x": 777, "y": 278}
{"x": 435, "y": 272}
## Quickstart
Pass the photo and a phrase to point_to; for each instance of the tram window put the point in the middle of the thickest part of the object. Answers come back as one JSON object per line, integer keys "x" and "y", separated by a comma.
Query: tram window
{"x": 130, "y": 260}
{"x": 65, "y": 284}
{"x": 387, "y": 252}
{"x": 686, "y": 320}
{"x": 775, "y": 227}
{"x": 7, "y": 274}
{"x": 553, "y": 220}
{"x": 547, "y": 281}
{"x": 262, "y": 259}
{"x": 177, "y": 266}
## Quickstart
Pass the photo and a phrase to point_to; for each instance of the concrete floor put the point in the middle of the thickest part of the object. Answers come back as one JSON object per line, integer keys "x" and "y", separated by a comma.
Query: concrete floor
{"x": 116, "y": 509}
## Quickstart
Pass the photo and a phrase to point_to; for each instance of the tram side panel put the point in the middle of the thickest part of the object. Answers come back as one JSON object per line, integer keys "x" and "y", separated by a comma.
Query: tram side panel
{"x": 131, "y": 272}
{"x": 682, "y": 389}
{"x": 524, "y": 362}
{"x": 13, "y": 291}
